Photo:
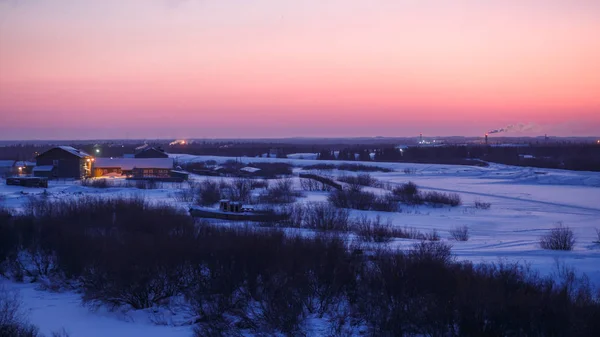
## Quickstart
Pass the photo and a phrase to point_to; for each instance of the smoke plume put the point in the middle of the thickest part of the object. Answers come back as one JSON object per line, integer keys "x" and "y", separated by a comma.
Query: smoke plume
{"x": 519, "y": 127}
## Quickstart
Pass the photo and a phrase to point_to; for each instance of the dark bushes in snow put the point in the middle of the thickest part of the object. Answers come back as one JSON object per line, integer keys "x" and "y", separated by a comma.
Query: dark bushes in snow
{"x": 281, "y": 192}
{"x": 410, "y": 194}
{"x": 362, "y": 179}
{"x": 560, "y": 237}
{"x": 460, "y": 233}
{"x": 308, "y": 184}
{"x": 264, "y": 281}
{"x": 12, "y": 318}
{"x": 440, "y": 199}
{"x": 482, "y": 205}
{"x": 209, "y": 193}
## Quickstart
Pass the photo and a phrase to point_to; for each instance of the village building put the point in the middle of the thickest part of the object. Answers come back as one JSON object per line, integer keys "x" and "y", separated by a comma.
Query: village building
{"x": 63, "y": 162}
{"x": 133, "y": 167}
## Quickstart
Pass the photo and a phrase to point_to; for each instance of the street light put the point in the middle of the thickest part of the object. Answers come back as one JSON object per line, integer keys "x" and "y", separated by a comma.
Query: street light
{"x": 97, "y": 150}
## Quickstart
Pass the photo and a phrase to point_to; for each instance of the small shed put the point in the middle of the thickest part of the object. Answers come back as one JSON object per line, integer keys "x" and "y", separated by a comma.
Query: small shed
{"x": 45, "y": 171}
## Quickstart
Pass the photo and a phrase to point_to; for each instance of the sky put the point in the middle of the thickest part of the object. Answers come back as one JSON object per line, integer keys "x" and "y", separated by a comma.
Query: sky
{"x": 75, "y": 69}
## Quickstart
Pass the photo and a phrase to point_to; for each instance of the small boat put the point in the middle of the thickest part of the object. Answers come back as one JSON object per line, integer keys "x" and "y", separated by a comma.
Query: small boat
{"x": 234, "y": 211}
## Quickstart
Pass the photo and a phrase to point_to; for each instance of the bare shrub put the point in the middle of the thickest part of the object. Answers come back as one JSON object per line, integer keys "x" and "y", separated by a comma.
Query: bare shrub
{"x": 282, "y": 192}
{"x": 313, "y": 185}
{"x": 410, "y": 170}
{"x": 408, "y": 194}
{"x": 259, "y": 183}
{"x": 353, "y": 197}
{"x": 597, "y": 235}
{"x": 376, "y": 230}
{"x": 435, "y": 198}
{"x": 560, "y": 237}
{"x": 209, "y": 193}
{"x": 12, "y": 318}
{"x": 385, "y": 203}
{"x": 482, "y": 205}
{"x": 325, "y": 217}
{"x": 239, "y": 190}
{"x": 433, "y": 236}
{"x": 431, "y": 251}
{"x": 60, "y": 333}
{"x": 460, "y": 233}
{"x": 362, "y": 179}
{"x": 186, "y": 193}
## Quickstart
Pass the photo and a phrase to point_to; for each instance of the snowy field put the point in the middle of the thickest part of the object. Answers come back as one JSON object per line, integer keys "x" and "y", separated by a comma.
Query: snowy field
{"x": 526, "y": 203}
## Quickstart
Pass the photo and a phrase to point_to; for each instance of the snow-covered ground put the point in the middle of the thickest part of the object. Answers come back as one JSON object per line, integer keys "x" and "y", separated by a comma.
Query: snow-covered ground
{"x": 526, "y": 203}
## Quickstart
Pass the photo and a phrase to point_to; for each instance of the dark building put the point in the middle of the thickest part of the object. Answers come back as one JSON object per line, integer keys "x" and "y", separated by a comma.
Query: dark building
{"x": 150, "y": 152}
{"x": 63, "y": 162}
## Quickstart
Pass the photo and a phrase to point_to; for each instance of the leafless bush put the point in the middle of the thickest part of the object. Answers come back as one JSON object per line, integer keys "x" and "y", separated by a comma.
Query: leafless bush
{"x": 362, "y": 179}
{"x": 408, "y": 194}
{"x": 410, "y": 170}
{"x": 433, "y": 236}
{"x": 460, "y": 233}
{"x": 597, "y": 235}
{"x": 323, "y": 216}
{"x": 187, "y": 193}
{"x": 385, "y": 203}
{"x": 12, "y": 318}
{"x": 439, "y": 199}
{"x": 96, "y": 183}
{"x": 352, "y": 197}
{"x": 281, "y": 193}
{"x": 482, "y": 205}
{"x": 256, "y": 183}
{"x": 431, "y": 251}
{"x": 60, "y": 333}
{"x": 209, "y": 193}
{"x": 560, "y": 237}
{"x": 239, "y": 190}
{"x": 312, "y": 185}
{"x": 376, "y": 230}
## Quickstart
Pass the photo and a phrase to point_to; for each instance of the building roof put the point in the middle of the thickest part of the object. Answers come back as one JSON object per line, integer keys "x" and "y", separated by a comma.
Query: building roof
{"x": 74, "y": 151}
{"x": 7, "y": 163}
{"x": 128, "y": 164}
{"x": 43, "y": 168}
{"x": 24, "y": 163}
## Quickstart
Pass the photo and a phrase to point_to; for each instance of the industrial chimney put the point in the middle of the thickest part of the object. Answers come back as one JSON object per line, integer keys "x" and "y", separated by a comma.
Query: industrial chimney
{"x": 486, "y": 139}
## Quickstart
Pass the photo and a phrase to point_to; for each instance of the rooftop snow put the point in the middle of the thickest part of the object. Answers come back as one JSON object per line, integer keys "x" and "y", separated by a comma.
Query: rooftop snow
{"x": 74, "y": 151}
{"x": 6, "y": 163}
{"x": 24, "y": 163}
{"x": 128, "y": 164}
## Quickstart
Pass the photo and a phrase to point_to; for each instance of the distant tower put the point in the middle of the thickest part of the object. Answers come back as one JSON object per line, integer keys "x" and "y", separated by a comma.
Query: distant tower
{"x": 486, "y": 139}
{"x": 421, "y": 138}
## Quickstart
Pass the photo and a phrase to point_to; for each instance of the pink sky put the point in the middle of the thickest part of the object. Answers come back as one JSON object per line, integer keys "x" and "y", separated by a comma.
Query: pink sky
{"x": 278, "y": 68}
